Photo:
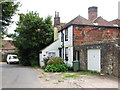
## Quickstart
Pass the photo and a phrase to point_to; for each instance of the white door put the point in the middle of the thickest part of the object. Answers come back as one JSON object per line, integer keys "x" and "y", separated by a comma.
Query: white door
{"x": 94, "y": 59}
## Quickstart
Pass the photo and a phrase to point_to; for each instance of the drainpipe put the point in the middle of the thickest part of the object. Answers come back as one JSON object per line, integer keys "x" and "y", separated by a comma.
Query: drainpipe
{"x": 63, "y": 44}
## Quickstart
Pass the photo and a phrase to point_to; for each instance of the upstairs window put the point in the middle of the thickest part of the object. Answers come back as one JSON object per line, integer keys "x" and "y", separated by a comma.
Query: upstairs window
{"x": 66, "y": 34}
{"x": 62, "y": 36}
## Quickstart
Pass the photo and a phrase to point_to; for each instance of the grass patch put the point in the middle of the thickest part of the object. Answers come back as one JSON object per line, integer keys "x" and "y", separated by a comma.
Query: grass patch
{"x": 60, "y": 81}
{"x": 71, "y": 76}
{"x": 84, "y": 73}
{"x": 89, "y": 71}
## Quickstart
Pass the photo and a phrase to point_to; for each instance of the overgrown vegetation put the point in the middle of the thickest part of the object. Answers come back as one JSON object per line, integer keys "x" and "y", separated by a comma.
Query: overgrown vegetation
{"x": 56, "y": 64}
{"x": 56, "y": 68}
{"x": 33, "y": 33}
{"x": 89, "y": 71}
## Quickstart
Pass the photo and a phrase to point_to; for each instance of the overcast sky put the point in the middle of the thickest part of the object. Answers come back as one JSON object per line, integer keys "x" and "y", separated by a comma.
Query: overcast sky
{"x": 69, "y": 9}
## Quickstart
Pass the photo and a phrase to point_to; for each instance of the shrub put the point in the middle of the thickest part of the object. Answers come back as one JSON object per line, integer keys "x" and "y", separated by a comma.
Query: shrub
{"x": 56, "y": 68}
{"x": 45, "y": 61}
{"x": 56, "y": 64}
{"x": 55, "y": 60}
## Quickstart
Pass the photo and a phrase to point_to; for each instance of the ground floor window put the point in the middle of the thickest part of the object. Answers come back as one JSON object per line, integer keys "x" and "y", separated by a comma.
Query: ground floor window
{"x": 51, "y": 54}
{"x": 60, "y": 52}
{"x": 66, "y": 53}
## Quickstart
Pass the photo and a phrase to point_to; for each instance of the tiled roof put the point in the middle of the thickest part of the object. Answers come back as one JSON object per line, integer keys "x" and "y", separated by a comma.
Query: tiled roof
{"x": 7, "y": 45}
{"x": 102, "y": 22}
{"x": 99, "y": 21}
{"x": 78, "y": 20}
{"x": 116, "y": 21}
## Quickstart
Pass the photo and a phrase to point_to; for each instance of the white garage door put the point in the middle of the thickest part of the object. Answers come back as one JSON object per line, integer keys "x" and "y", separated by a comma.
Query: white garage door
{"x": 94, "y": 58}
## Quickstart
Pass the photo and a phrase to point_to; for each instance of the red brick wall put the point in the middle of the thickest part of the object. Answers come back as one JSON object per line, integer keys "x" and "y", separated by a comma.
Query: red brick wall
{"x": 87, "y": 34}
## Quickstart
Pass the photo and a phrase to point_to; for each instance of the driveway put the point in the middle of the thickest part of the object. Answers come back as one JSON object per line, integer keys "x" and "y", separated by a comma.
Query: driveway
{"x": 16, "y": 76}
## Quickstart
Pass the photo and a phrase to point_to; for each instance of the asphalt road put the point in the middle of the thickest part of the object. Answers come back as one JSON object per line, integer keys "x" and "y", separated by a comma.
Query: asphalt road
{"x": 16, "y": 76}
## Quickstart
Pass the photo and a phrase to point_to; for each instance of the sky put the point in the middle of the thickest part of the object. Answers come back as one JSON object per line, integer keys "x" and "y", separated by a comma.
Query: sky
{"x": 68, "y": 9}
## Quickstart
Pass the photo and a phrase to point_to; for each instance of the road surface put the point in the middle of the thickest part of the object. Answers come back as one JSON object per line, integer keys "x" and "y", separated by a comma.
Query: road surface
{"x": 16, "y": 76}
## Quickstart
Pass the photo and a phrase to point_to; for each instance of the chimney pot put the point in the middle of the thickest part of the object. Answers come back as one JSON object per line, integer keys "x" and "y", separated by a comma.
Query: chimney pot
{"x": 92, "y": 13}
{"x": 56, "y": 19}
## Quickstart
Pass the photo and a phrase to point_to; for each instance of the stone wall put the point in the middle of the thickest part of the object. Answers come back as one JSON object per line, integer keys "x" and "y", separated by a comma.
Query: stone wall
{"x": 109, "y": 55}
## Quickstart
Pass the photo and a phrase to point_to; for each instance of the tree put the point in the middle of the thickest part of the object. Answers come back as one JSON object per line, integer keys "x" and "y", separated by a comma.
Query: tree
{"x": 8, "y": 10}
{"x": 33, "y": 34}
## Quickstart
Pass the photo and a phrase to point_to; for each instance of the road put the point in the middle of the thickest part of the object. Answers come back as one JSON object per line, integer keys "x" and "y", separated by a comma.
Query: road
{"x": 16, "y": 76}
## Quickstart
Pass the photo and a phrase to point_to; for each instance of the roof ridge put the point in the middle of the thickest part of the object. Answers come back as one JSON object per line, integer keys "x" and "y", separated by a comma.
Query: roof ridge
{"x": 79, "y": 20}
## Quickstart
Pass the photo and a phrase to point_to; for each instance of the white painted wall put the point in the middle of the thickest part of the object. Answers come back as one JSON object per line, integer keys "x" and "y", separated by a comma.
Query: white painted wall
{"x": 55, "y": 45}
{"x": 70, "y": 57}
{"x": 68, "y": 44}
{"x": 70, "y": 37}
{"x": 51, "y": 48}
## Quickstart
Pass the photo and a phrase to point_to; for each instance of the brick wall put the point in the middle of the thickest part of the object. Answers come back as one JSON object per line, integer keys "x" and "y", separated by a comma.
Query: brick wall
{"x": 88, "y": 34}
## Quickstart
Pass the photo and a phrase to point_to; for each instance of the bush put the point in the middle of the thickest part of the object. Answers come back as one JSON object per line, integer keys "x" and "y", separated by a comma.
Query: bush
{"x": 56, "y": 64}
{"x": 56, "y": 68}
{"x": 55, "y": 60}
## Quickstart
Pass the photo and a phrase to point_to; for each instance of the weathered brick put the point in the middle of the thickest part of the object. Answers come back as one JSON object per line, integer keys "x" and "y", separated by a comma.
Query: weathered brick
{"x": 89, "y": 34}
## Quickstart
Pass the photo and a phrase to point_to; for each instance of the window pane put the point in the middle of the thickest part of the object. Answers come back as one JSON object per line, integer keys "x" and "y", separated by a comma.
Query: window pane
{"x": 66, "y": 34}
{"x": 51, "y": 54}
{"x": 66, "y": 53}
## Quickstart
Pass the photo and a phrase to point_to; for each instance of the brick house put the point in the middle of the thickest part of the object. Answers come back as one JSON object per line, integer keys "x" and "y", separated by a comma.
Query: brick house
{"x": 93, "y": 41}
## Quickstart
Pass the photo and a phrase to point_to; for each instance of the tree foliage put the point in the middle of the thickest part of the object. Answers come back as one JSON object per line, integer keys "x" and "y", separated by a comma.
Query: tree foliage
{"x": 33, "y": 34}
{"x": 8, "y": 9}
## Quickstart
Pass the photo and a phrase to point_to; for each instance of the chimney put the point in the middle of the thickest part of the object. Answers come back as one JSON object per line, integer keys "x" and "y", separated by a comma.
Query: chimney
{"x": 92, "y": 13}
{"x": 56, "y": 19}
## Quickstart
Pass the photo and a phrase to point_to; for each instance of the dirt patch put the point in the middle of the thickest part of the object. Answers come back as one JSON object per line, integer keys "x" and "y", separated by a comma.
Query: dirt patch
{"x": 76, "y": 80}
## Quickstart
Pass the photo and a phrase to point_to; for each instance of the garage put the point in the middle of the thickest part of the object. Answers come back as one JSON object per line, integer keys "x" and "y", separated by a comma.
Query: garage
{"x": 94, "y": 59}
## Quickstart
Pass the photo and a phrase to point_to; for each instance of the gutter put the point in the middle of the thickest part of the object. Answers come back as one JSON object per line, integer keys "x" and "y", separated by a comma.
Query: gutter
{"x": 90, "y": 25}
